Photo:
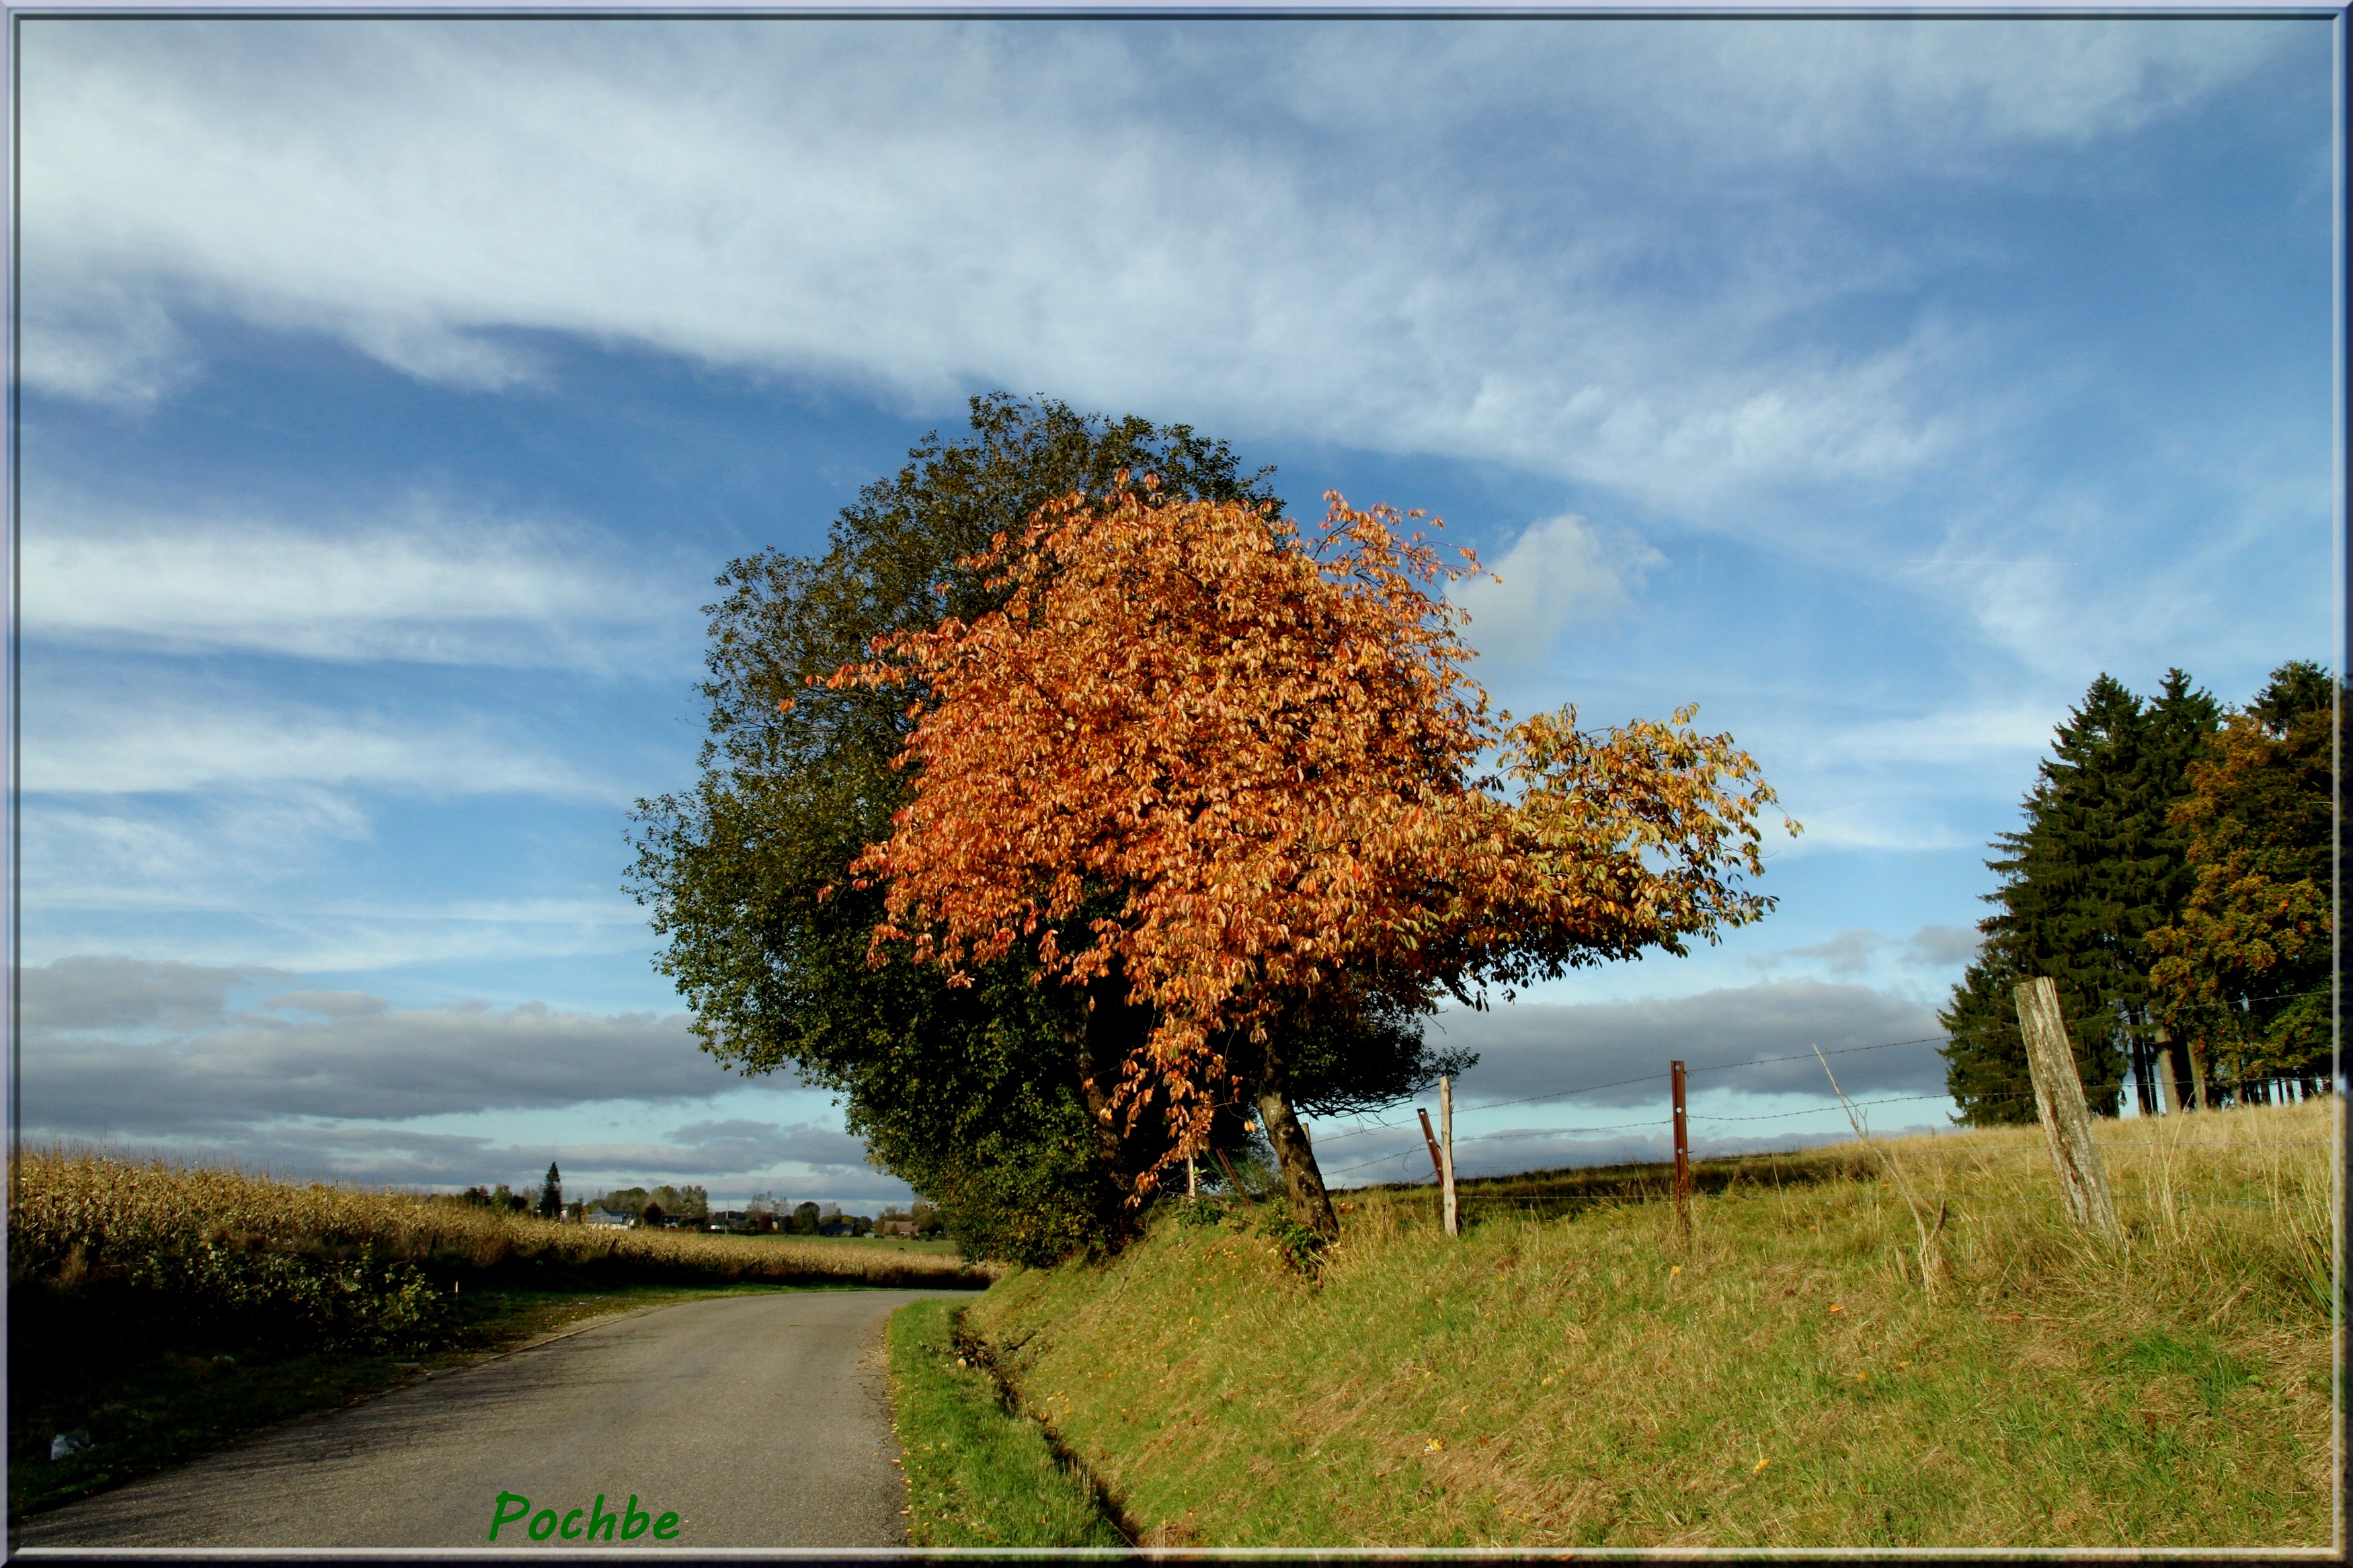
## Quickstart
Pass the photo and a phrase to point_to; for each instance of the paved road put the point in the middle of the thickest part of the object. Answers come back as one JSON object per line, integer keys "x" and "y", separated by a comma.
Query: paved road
{"x": 758, "y": 1420}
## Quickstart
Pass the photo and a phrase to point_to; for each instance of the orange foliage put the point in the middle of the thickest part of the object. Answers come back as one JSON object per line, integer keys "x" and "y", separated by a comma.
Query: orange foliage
{"x": 1232, "y": 769}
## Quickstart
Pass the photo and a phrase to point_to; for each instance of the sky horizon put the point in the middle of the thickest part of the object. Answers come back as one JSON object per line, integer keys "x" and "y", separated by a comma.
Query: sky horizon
{"x": 391, "y": 394}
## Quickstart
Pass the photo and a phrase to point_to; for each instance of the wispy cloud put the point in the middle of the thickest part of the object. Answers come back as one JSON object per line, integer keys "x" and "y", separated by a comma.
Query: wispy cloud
{"x": 170, "y": 735}
{"x": 424, "y": 582}
{"x": 1560, "y": 571}
{"x": 1314, "y": 267}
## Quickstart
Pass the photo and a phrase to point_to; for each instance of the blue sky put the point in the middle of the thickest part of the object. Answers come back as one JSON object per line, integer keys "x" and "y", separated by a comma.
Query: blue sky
{"x": 391, "y": 392}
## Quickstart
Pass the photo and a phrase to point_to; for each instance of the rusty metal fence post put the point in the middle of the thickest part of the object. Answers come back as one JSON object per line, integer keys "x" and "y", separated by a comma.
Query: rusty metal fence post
{"x": 1683, "y": 1157}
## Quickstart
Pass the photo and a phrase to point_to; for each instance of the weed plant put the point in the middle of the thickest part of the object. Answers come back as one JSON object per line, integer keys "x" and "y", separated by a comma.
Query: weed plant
{"x": 1776, "y": 1379}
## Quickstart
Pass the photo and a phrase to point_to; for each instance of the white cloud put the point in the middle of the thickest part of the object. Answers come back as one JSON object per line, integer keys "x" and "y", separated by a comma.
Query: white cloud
{"x": 145, "y": 854}
{"x": 97, "y": 740}
{"x": 111, "y": 343}
{"x": 1560, "y": 571}
{"x": 426, "y": 583}
{"x": 1995, "y": 734}
{"x": 1271, "y": 223}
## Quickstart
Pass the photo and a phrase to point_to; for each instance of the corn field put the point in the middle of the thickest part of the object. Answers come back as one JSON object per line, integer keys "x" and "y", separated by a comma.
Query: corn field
{"x": 343, "y": 1266}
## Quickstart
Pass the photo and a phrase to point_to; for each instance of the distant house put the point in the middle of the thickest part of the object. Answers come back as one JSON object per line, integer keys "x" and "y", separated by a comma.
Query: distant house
{"x": 894, "y": 1227}
{"x": 606, "y": 1217}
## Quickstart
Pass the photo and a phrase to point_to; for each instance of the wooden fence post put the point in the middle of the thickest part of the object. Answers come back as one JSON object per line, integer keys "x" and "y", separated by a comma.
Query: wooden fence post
{"x": 1683, "y": 1155}
{"x": 1446, "y": 1152}
{"x": 2167, "y": 1079}
{"x": 2066, "y": 1119}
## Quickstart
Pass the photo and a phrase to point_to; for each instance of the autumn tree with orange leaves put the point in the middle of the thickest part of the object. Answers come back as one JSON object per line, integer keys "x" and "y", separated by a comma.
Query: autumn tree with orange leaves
{"x": 975, "y": 1095}
{"x": 1221, "y": 779}
{"x": 2242, "y": 974}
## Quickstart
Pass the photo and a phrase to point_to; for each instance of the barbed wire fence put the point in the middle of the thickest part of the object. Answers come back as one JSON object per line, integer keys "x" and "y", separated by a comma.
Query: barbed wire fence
{"x": 1985, "y": 1110}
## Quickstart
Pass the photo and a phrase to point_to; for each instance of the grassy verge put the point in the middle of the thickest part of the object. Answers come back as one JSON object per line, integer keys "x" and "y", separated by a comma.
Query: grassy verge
{"x": 978, "y": 1473}
{"x": 1779, "y": 1380}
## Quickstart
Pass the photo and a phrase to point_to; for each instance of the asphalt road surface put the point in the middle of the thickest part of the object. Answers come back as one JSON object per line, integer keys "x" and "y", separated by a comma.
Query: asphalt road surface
{"x": 757, "y": 1420}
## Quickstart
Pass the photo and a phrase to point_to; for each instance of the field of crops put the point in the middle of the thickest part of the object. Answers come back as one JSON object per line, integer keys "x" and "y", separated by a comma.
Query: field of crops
{"x": 346, "y": 1265}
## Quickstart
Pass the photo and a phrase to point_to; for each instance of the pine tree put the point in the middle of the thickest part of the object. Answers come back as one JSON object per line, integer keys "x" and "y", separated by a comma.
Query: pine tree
{"x": 550, "y": 1194}
{"x": 2097, "y": 867}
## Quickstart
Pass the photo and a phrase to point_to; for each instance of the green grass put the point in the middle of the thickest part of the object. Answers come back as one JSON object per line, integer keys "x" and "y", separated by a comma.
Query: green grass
{"x": 978, "y": 1473}
{"x": 147, "y": 1405}
{"x": 1781, "y": 1379}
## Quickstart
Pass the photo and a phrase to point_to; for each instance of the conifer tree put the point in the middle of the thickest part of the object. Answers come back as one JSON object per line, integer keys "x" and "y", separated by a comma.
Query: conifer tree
{"x": 2098, "y": 867}
{"x": 550, "y": 1194}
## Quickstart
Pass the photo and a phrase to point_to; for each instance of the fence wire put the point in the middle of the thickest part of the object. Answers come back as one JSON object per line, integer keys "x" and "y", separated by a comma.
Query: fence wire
{"x": 1667, "y": 1122}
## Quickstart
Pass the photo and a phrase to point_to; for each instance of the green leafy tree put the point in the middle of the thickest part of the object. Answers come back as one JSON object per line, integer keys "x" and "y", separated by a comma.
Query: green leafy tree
{"x": 623, "y": 1200}
{"x": 986, "y": 1097}
{"x": 2098, "y": 867}
{"x": 550, "y": 1194}
{"x": 2242, "y": 974}
{"x": 682, "y": 1203}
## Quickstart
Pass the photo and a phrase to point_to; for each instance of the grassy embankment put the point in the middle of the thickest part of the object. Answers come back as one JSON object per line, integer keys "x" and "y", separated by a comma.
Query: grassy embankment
{"x": 1590, "y": 1379}
{"x": 978, "y": 1474}
{"x": 164, "y": 1309}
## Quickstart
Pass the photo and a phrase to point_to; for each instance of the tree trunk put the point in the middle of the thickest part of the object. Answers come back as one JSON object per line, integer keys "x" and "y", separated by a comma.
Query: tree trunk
{"x": 1302, "y": 1182}
{"x": 1088, "y": 1036}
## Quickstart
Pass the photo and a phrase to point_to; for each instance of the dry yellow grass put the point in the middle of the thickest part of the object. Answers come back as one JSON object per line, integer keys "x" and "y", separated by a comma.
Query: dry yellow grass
{"x": 1778, "y": 1381}
{"x": 76, "y": 1214}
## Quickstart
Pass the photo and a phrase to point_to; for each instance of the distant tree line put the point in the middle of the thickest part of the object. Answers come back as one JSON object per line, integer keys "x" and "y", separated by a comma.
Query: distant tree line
{"x": 663, "y": 1202}
{"x": 2175, "y": 877}
{"x": 548, "y": 1203}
